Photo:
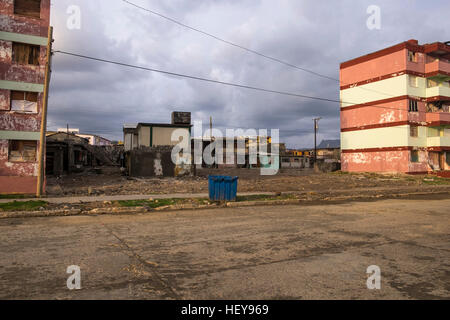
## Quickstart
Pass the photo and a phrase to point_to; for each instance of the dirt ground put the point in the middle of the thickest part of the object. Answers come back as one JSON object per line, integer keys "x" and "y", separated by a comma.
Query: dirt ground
{"x": 112, "y": 182}
{"x": 287, "y": 252}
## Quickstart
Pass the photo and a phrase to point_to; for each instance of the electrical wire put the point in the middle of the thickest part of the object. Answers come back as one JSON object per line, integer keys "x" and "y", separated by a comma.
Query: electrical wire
{"x": 249, "y": 50}
{"x": 222, "y": 82}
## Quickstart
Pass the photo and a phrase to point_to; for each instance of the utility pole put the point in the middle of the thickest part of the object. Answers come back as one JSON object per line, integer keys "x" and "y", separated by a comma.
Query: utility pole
{"x": 41, "y": 172}
{"x": 316, "y": 127}
{"x": 210, "y": 128}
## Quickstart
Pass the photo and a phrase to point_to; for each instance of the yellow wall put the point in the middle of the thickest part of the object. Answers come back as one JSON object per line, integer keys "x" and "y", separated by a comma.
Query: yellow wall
{"x": 163, "y": 136}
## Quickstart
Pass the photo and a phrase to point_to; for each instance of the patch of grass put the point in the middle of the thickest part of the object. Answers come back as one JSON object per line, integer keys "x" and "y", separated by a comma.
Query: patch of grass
{"x": 15, "y": 196}
{"x": 22, "y": 206}
{"x": 436, "y": 181}
{"x": 339, "y": 172}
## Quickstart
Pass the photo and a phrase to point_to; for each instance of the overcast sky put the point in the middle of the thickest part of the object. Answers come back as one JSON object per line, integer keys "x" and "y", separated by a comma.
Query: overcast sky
{"x": 317, "y": 35}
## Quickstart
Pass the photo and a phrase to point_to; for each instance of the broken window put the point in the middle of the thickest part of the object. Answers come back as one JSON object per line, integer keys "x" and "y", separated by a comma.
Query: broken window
{"x": 22, "y": 101}
{"x": 414, "y": 131}
{"x": 414, "y": 156}
{"x": 25, "y": 53}
{"x": 413, "y": 106}
{"x": 30, "y": 8}
{"x": 22, "y": 151}
{"x": 412, "y": 56}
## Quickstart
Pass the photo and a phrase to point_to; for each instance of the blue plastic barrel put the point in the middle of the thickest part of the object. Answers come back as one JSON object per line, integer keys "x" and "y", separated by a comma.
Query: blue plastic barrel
{"x": 222, "y": 188}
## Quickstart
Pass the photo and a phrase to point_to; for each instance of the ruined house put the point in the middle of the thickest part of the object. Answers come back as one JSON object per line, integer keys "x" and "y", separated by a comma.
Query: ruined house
{"x": 68, "y": 153}
{"x": 23, "y": 38}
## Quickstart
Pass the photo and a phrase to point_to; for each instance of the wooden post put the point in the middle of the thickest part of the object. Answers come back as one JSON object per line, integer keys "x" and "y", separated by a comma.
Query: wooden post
{"x": 41, "y": 172}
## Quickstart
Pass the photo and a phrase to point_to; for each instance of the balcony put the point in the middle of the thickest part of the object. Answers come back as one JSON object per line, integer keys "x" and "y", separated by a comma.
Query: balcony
{"x": 437, "y": 66}
{"x": 441, "y": 91}
{"x": 438, "y": 117}
{"x": 438, "y": 141}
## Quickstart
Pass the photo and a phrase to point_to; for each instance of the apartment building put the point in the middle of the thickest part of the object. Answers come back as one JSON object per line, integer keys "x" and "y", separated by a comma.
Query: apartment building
{"x": 23, "y": 39}
{"x": 395, "y": 110}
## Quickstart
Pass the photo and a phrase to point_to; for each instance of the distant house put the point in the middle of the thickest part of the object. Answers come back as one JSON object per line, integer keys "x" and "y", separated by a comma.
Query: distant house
{"x": 329, "y": 149}
{"x": 155, "y": 134}
{"x": 67, "y": 153}
{"x": 148, "y": 146}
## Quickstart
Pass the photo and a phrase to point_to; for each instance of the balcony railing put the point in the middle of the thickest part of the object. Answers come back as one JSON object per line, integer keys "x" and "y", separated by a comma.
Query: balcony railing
{"x": 438, "y": 141}
{"x": 437, "y": 65}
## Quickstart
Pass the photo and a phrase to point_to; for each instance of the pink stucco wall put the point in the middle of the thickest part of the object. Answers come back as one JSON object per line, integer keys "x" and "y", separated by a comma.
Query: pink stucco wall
{"x": 383, "y": 161}
{"x": 394, "y": 62}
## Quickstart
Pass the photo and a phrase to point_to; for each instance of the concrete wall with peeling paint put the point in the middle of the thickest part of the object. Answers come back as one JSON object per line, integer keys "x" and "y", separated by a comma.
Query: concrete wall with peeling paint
{"x": 20, "y": 177}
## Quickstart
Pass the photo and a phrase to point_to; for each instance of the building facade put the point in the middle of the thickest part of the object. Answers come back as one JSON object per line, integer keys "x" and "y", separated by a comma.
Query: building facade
{"x": 23, "y": 39}
{"x": 395, "y": 110}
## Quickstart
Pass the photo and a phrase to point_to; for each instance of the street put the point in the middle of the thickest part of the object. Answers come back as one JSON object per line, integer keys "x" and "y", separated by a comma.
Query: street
{"x": 272, "y": 252}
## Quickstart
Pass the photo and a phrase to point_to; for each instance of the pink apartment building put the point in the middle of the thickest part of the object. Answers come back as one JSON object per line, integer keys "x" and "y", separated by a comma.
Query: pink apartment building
{"x": 395, "y": 110}
{"x": 23, "y": 49}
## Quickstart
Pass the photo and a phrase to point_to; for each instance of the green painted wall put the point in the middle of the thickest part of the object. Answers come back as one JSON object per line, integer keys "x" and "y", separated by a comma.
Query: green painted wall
{"x": 21, "y": 86}
{"x": 23, "y": 38}
{"x": 19, "y": 135}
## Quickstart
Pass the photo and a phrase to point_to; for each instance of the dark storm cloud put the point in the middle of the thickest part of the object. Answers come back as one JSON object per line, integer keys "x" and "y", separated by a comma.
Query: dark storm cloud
{"x": 317, "y": 35}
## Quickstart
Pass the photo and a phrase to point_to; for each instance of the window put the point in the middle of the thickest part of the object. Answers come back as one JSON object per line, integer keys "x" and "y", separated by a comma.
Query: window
{"x": 25, "y": 53}
{"x": 447, "y": 158}
{"x": 413, "y": 106}
{"x": 412, "y": 56}
{"x": 31, "y": 8}
{"x": 414, "y": 156}
{"x": 24, "y": 101}
{"x": 413, "y": 81}
{"x": 414, "y": 131}
{"x": 22, "y": 151}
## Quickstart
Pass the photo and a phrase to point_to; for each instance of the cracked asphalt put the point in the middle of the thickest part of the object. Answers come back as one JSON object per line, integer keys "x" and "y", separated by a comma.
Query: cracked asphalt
{"x": 272, "y": 252}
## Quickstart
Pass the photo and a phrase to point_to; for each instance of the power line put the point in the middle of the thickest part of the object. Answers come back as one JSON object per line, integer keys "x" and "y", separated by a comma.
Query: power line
{"x": 222, "y": 82}
{"x": 247, "y": 49}
{"x": 195, "y": 77}
{"x": 229, "y": 42}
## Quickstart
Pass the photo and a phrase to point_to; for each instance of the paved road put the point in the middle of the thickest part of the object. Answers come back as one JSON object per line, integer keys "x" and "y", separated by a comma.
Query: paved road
{"x": 291, "y": 252}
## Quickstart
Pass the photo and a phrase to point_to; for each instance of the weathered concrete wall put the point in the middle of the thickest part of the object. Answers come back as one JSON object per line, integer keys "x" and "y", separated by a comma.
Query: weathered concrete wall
{"x": 384, "y": 161}
{"x": 154, "y": 162}
{"x": 21, "y": 169}
{"x": 20, "y": 177}
{"x": 21, "y": 24}
{"x": 163, "y": 136}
